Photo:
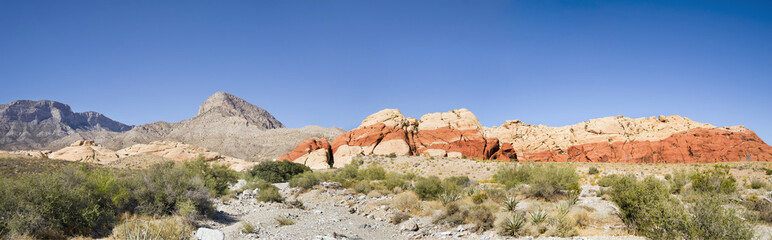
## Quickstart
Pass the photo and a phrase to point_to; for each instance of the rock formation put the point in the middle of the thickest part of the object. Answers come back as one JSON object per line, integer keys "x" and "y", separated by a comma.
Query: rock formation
{"x": 314, "y": 153}
{"x": 28, "y": 124}
{"x": 85, "y": 151}
{"x": 457, "y": 133}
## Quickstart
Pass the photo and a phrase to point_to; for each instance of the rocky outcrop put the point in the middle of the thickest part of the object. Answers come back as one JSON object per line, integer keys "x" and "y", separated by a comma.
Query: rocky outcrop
{"x": 701, "y": 145}
{"x": 314, "y": 153}
{"x": 172, "y": 150}
{"x": 85, "y": 151}
{"x": 457, "y": 133}
{"x": 28, "y": 124}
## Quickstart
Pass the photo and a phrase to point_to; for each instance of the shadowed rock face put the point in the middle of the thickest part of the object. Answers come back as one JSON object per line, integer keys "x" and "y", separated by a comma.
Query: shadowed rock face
{"x": 28, "y": 124}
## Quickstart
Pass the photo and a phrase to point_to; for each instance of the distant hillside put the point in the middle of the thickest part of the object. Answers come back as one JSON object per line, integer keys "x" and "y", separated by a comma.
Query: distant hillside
{"x": 28, "y": 124}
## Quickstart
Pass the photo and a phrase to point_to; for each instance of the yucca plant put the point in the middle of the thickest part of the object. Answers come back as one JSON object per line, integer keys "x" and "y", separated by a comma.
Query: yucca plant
{"x": 563, "y": 208}
{"x": 448, "y": 197}
{"x": 538, "y": 216}
{"x": 511, "y": 203}
{"x": 513, "y": 225}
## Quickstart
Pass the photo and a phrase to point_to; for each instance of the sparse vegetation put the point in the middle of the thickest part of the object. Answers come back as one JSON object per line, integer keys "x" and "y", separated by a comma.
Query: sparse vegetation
{"x": 305, "y": 180}
{"x": 86, "y": 200}
{"x": 428, "y": 188}
{"x": 284, "y": 221}
{"x": 593, "y": 171}
{"x": 545, "y": 180}
{"x": 717, "y": 180}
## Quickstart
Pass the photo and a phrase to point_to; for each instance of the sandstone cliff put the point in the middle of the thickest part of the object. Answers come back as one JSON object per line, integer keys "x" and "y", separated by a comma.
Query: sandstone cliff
{"x": 458, "y": 133}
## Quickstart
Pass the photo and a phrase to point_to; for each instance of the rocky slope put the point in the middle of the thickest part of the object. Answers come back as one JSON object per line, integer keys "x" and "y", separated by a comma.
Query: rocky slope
{"x": 458, "y": 133}
{"x": 28, "y": 124}
{"x": 225, "y": 124}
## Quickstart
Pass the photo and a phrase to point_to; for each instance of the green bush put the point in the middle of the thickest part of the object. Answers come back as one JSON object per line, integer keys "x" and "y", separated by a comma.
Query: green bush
{"x": 593, "y": 170}
{"x": 545, "y": 180}
{"x": 455, "y": 184}
{"x": 428, "y": 188}
{"x": 768, "y": 171}
{"x": 452, "y": 215}
{"x": 756, "y": 184}
{"x": 363, "y": 187}
{"x": 305, "y": 180}
{"x": 678, "y": 180}
{"x": 372, "y": 172}
{"x": 717, "y": 180}
{"x": 269, "y": 193}
{"x": 648, "y": 207}
{"x": 216, "y": 177}
{"x": 350, "y": 171}
{"x": 711, "y": 220}
{"x": 84, "y": 200}
{"x": 609, "y": 180}
{"x": 277, "y": 171}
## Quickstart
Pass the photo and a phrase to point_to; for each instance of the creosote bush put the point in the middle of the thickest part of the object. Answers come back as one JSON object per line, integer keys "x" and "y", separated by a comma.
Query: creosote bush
{"x": 277, "y": 171}
{"x": 428, "y": 188}
{"x": 305, "y": 180}
{"x": 545, "y": 180}
{"x": 717, "y": 180}
{"x": 85, "y": 200}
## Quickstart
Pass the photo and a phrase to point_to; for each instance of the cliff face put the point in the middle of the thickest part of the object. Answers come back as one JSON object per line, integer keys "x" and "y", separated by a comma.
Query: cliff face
{"x": 28, "y": 124}
{"x": 458, "y": 133}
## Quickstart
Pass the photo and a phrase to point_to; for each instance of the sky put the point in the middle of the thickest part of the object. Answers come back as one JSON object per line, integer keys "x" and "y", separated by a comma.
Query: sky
{"x": 333, "y": 63}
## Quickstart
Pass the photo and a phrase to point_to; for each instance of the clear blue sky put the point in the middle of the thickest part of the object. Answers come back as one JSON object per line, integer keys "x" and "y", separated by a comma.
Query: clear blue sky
{"x": 332, "y": 63}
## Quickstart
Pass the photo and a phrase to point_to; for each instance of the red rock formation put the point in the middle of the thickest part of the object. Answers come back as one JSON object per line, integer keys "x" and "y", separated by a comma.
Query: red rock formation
{"x": 305, "y": 147}
{"x": 692, "y": 146}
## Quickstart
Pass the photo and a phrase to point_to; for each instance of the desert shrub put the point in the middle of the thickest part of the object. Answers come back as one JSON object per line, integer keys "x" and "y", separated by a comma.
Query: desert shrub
{"x": 406, "y": 201}
{"x": 394, "y": 180}
{"x": 455, "y": 184}
{"x": 363, "y": 187}
{"x": 372, "y": 172}
{"x": 399, "y": 217}
{"x": 545, "y": 180}
{"x": 452, "y": 215}
{"x": 609, "y": 180}
{"x": 678, "y": 180}
{"x": 593, "y": 170}
{"x": 756, "y": 184}
{"x": 277, "y": 171}
{"x": 247, "y": 228}
{"x": 563, "y": 227}
{"x": 482, "y": 218}
{"x": 648, "y": 207}
{"x": 581, "y": 218}
{"x": 172, "y": 228}
{"x": 392, "y": 155}
{"x": 305, "y": 180}
{"x": 84, "y": 200}
{"x": 69, "y": 202}
{"x": 216, "y": 177}
{"x": 158, "y": 189}
{"x": 296, "y": 204}
{"x": 479, "y": 197}
{"x": 350, "y": 171}
{"x": 768, "y": 171}
{"x": 269, "y": 193}
{"x": 284, "y": 221}
{"x": 711, "y": 220}
{"x": 428, "y": 188}
{"x": 761, "y": 207}
{"x": 716, "y": 180}
{"x": 512, "y": 226}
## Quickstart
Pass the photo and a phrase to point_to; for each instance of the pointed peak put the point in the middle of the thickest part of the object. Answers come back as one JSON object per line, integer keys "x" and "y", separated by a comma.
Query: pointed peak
{"x": 231, "y": 105}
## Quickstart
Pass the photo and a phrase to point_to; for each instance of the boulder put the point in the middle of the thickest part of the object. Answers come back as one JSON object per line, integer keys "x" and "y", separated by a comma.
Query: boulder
{"x": 314, "y": 153}
{"x": 209, "y": 234}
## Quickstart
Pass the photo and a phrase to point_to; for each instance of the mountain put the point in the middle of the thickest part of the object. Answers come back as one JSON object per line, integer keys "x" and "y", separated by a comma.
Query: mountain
{"x": 26, "y": 124}
{"x": 458, "y": 133}
{"x": 226, "y": 124}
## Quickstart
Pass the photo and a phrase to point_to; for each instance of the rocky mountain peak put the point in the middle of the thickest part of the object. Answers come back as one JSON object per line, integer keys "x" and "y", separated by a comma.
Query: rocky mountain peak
{"x": 227, "y": 105}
